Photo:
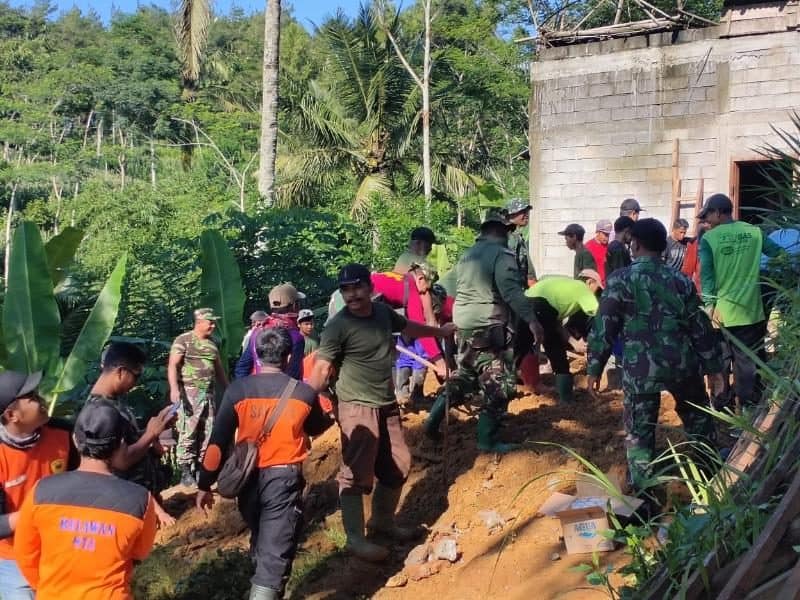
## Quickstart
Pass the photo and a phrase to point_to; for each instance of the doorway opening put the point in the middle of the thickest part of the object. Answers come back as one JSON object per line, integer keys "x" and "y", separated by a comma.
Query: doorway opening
{"x": 759, "y": 187}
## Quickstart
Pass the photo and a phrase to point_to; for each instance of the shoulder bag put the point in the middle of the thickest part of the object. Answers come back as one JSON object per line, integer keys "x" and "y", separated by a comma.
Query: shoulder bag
{"x": 241, "y": 463}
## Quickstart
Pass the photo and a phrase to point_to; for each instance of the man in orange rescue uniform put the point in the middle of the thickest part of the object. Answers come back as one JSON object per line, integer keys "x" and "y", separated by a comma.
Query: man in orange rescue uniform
{"x": 30, "y": 448}
{"x": 271, "y": 502}
{"x": 79, "y": 532}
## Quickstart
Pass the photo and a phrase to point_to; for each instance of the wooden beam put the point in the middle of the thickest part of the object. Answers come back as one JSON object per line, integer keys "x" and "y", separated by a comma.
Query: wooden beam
{"x": 747, "y": 574}
{"x": 791, "y": 589}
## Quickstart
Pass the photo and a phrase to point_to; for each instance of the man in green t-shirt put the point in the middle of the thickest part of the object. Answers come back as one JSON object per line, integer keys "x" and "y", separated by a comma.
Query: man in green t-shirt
{"x": 564, "y": 307}
{"x": 358, "y": 343}
{"x": 573, "y": 236}
{"x": 730, "y": 257}
{"x": 194, "y": 365}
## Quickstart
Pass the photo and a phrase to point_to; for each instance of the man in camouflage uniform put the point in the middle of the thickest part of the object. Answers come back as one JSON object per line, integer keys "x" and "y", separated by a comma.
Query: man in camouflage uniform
{"x": 668, "y": 344}
{"x": 519, "y": 212}
{"x": 194, "y": 365}
{"x": 489, "y": 287}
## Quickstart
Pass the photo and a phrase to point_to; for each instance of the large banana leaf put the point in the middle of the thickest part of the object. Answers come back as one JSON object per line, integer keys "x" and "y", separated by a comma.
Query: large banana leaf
{"x": 30, "y": 313}
{"x": 221, "y": 289}
{"x": 60, "y": 251}
{"x": 94, "y": 334}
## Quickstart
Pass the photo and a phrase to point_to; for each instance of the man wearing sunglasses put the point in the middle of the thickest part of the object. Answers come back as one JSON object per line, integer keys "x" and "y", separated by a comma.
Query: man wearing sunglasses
{"x": 30, "y": 449}
{"x": 122, "y": 364}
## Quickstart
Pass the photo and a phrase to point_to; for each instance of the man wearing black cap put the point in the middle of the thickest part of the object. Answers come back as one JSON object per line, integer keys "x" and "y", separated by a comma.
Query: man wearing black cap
{"x": 421, "y": 244}
{"x": 30, "y": 449}
{"x": 573, "y": 236}
{"x": 489, "y": 290}
{"x": 630, "y": 208}
{"x": 79, "y": 532}
{"x": 358, "y": 342}
{"x": 730, "y": 256}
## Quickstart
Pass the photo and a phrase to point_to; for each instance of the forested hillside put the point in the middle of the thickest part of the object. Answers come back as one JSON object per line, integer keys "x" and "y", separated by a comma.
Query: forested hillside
{"x": 99, "y": 131}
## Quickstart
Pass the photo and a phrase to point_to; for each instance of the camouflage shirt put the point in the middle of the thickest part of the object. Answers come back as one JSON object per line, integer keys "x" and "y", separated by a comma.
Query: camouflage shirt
{"x": 666, "y": 336}
{"x": 199, "y": 356}
{"x": 519, "y": 246}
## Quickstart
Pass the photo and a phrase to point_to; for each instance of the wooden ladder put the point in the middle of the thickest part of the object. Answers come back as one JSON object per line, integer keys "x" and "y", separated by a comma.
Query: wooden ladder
{"x": 680, "y": 202}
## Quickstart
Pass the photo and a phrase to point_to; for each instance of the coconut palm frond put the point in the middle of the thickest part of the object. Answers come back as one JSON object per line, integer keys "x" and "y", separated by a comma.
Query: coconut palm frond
{"x": 192, "y": 19}
{"x": 373, "y": 186}
{"x": 302, "y": 172}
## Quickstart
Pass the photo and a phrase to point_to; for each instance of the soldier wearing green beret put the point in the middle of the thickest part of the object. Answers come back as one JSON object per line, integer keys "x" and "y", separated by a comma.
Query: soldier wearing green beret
{"x": 489, "y": 292}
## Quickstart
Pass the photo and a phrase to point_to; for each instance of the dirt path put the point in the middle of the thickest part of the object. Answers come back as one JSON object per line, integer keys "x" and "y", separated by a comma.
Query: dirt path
{"x": 525, "y": 568}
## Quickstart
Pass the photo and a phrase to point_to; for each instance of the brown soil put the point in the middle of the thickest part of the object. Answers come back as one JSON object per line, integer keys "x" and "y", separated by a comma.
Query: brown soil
{"x": 515, "y": 562}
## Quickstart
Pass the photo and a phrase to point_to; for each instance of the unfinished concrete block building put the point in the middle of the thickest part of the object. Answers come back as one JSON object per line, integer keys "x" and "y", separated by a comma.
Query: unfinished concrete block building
{"x": 637, "y": 116}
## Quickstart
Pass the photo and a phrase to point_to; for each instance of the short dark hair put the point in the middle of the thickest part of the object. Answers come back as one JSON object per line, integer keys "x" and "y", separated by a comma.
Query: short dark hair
{"x": 680, "y": 224}
{"x": 122, "y": 354}
{"x": 494, "y": 227}
{"x": 651, "y": 234}
{"x": 273, "y": 345}
{"x": 623, "y": 223}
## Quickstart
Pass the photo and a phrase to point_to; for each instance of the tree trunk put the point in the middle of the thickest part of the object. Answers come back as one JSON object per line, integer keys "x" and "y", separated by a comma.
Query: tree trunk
{"x": 152, "y": 163}
{"x": 8, "y": 232}
{"x": 426, "y": 114}
{"x": 269, "y": 101}
{"x": 99, "y": 138}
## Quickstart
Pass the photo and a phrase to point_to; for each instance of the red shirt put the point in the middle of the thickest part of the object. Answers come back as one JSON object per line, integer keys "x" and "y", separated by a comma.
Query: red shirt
{"x": 598, "y": 251}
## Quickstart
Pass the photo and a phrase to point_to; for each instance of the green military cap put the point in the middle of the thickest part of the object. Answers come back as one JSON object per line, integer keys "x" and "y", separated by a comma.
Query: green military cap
{"x": 517, "y": 205}
{"x": 496, "y": 215}
{"x": 205, "y": 314}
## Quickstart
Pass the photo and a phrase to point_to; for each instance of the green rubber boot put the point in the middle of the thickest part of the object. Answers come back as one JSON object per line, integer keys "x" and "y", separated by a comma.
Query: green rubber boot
{"x": 381, "y": 521}
{"x": 259, "y": 592}
{"x": 487, "y": 436}
{"x": 564, "y": 384}
{"x": 353, "y": 521}
{"x": 435, "y": 418}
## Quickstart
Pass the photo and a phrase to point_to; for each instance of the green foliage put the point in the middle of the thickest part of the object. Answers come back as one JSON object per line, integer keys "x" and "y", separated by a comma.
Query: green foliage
{"x": 221, "y": 287}
{"x": 30, "y": 313}
{"x": 93, "y": 336}
{"x": 60, "y": 252}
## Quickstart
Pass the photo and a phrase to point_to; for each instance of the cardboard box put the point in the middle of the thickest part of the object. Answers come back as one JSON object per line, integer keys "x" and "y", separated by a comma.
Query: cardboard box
{"x": 584, "y": 516}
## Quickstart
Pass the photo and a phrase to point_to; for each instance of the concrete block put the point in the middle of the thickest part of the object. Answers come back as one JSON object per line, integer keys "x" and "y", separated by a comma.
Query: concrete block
{"x": 632, "y": 175}
{"x": 598, "y": 116}
{"x": 675, "y": 83}
{"x": 617, "y": 101}
{"x": 600, "y": 89}
{"x": 674, "y": 109}
{"x": 587, "y": 104}
{"x": 554, "y": 53}
{"x": 775, "y": 87}
{"x": 622, "y": 114}
{"x": 658, "y": 175}
{"x": 635, "y": 42}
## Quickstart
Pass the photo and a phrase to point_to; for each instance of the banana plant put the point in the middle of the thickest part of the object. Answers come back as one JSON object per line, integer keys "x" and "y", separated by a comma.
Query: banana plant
{"x": 31, "y": 335}
{"x": 221, "y": 289}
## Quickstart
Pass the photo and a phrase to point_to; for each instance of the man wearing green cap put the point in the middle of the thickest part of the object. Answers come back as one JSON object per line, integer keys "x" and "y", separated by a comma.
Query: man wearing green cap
{"x": 194, "y": 365}
{"x": 489, "y": 288}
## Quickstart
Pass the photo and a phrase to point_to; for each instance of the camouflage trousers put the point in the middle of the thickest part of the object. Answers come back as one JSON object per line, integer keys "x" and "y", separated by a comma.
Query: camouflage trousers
{"x": 195, "y": 420}
{"x": 485, "y": 373}
{"x": 640, "y": 416}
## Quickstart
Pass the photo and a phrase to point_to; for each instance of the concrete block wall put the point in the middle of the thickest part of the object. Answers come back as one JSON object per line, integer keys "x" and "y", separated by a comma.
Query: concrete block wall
{"x": 604, "y": 116}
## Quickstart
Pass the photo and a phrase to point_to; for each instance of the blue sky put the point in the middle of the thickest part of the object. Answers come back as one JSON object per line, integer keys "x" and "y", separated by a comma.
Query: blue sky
{"x": 304, "y": 10}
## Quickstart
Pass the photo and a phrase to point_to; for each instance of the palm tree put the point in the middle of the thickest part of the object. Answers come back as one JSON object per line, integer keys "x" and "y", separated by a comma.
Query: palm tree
{"x": 359, "y": 118}
{"x": 269, "y": 100}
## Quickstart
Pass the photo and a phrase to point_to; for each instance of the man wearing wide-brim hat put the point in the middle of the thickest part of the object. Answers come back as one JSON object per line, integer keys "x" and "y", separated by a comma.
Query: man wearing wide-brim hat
{"x": 489, "y": 294}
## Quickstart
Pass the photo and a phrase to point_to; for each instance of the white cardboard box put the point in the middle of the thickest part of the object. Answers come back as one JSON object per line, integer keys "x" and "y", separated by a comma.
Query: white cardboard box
{"x": 584, "y": 516}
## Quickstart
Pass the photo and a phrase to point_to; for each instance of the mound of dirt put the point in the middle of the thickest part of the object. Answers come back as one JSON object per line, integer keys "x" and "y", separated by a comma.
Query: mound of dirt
{"x": 447, "y": 491}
